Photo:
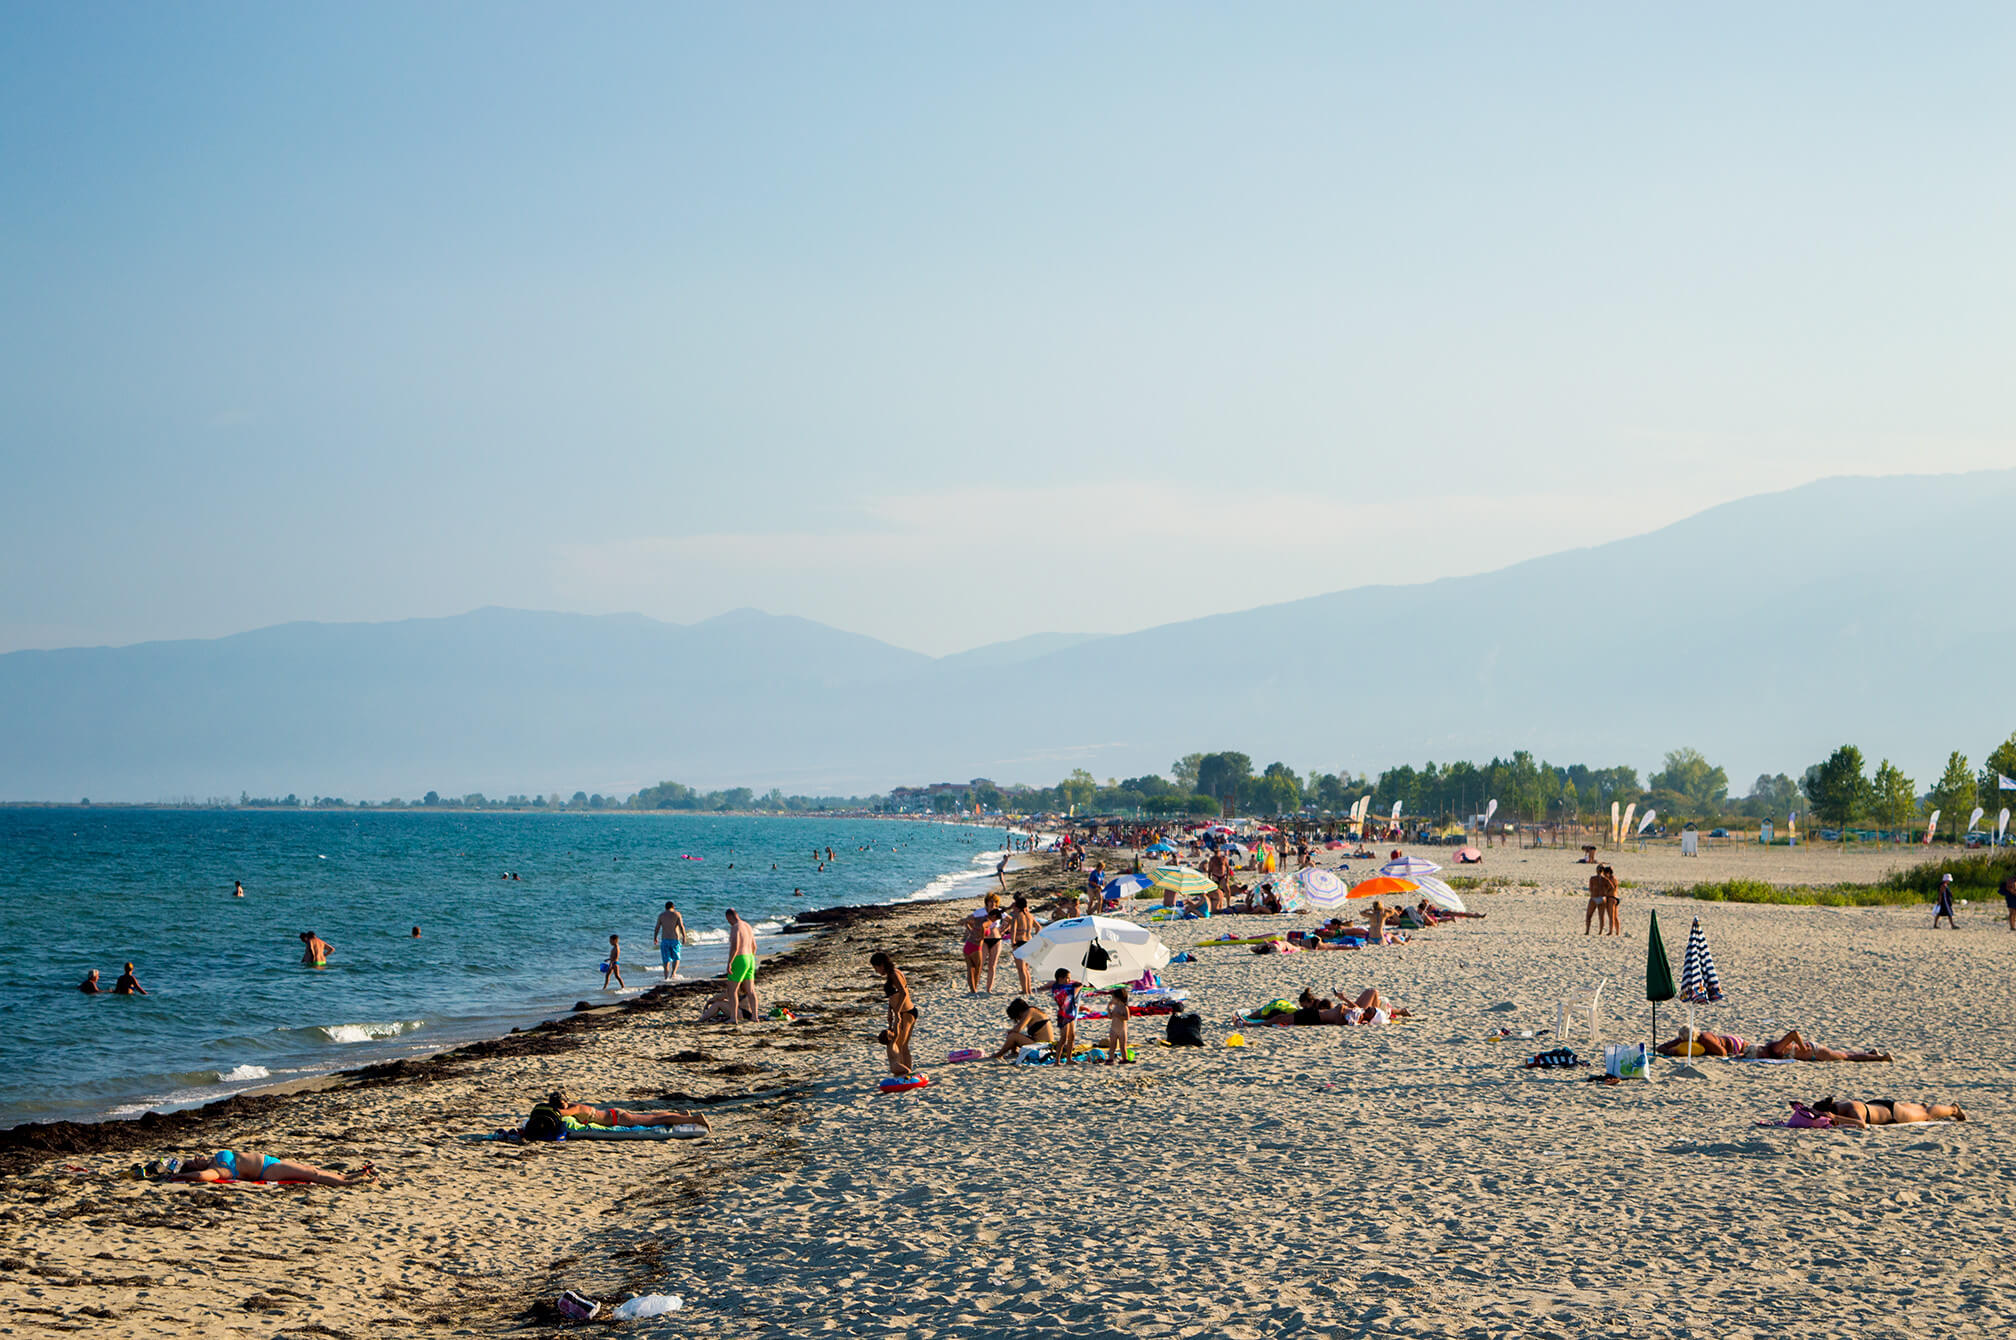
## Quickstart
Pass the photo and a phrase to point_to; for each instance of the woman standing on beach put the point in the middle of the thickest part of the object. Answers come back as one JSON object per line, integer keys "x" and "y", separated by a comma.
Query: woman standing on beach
{"x": 1945, "y": 905}
{"x": 902, "y": 1013}
{"x": 990, "y": 939}
{"x": 1022, "y": 928}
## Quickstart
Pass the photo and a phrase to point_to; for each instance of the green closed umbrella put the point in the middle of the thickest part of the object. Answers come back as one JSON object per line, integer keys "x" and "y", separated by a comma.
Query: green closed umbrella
{"x": 1658, "y": 974}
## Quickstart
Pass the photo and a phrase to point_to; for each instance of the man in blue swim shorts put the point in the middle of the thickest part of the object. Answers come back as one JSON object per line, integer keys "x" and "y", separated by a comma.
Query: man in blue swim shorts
{"x": 670, "y": 932}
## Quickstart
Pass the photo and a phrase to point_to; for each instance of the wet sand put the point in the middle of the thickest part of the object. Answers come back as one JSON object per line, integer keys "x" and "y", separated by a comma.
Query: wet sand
{"x": 1408, "y": 1179}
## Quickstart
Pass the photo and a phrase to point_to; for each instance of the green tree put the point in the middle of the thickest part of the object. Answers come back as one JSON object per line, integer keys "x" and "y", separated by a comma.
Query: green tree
{"x": 1077, "y": 790}
{"x": 1224, "y": 776}
{"x": 1183, "y": 772}
{"x": 1705, "y": 787}
{"x": 1772, "y": 796}
{"x": 1896, "y": 797}
{"x": 2001, "y": 763}
{"x": 1838, "y": 789}
{"x": 1953, "y": 795}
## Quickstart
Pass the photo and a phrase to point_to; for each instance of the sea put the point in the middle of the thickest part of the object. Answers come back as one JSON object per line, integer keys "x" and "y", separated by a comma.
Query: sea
{"x": 514, "y": 913}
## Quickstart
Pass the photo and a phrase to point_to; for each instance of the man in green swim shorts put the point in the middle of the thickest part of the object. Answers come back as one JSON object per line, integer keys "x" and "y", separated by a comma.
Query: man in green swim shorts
{"x": 741, "y": 966}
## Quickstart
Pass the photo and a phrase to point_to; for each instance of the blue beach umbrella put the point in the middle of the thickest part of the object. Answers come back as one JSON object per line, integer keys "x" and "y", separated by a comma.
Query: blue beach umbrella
{"x": 1127, "y": 886}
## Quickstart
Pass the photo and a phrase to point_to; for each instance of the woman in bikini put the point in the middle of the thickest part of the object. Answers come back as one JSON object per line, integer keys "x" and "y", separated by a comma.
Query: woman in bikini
{"x": 1022, "y": 928}
{"x": 1791, "y": 1047}
{"x": 241, "y": 1165}
{"x": 990, "y": 939}
{"x": 619, "y": 1116}
{"x": 902, "y": 1013}
{"x": 1857, "y": 1113}
{"x": 1027, "y": 1027}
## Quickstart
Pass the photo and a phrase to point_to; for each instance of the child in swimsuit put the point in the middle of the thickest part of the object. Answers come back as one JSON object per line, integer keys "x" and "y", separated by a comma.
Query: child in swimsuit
{"x": 1064, "y": 991}
{"x": 1116, "y": 1025}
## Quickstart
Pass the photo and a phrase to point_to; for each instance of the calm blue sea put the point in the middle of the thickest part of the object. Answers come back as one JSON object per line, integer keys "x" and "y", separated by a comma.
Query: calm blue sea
{"x": 232, "y": 1007}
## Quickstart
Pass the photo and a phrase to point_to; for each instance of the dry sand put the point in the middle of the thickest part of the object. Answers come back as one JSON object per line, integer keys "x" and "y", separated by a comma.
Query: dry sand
{"x": 1409, "y": 1179}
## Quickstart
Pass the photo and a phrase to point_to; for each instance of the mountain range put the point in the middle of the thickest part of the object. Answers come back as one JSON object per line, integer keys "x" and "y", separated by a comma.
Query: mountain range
{"x": 1764, "y": 632}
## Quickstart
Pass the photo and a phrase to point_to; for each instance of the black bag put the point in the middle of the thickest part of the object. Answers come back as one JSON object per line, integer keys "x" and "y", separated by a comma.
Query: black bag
{"x": 1186, "y": 1030}
{"x": 1096, "y": 957}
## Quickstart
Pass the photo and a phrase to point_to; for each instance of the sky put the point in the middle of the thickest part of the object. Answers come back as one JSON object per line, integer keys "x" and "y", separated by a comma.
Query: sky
{"x": 951, "y": 324}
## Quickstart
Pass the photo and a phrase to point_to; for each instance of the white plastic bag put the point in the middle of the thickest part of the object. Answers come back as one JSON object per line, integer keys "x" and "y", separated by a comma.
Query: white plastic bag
{"x": 650, "y": 1305}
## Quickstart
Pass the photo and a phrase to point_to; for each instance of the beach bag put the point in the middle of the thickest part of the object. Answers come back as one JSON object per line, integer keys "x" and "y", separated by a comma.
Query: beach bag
{"x": 544, "y": 1124}
{"x": 1096, "y": 957}
{"x": 1186, "y": 1030}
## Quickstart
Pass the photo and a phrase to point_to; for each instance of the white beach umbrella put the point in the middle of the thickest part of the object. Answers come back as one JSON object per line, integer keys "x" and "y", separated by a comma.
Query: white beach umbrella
{"x": 1322, "y": 888}
{"x": 1130, "y": 951}
{"x": 1409, "y": 866}
{"x": 1439, "y": 894}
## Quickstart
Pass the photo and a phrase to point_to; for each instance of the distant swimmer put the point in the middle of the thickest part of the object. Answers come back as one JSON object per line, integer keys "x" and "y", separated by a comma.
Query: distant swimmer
{"x": 416, "y": 932}
{"x": 829, "y": 854}
{"x": 797, "y": 893}
{"x": 237, "y": 888}
{"x": 89, "y": 986}
{"x": 317, "y": 950}
{"x": 128, "y": 984}
{"x": 614, "y": 967}
{"x": 670, "y": 933}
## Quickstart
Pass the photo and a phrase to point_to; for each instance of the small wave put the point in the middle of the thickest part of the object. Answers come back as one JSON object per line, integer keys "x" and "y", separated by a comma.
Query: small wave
{"x": 243, "y": 1073}
{"x": 720, "y": 937}
{"x": 346, "y": 1034}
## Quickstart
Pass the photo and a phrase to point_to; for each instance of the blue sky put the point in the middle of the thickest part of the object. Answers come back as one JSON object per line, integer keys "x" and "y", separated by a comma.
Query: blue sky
{"x": 950, "y": 323}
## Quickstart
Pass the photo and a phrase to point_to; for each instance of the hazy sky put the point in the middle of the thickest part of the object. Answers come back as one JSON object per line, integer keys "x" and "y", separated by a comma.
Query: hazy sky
{"x": 951, "y": 323}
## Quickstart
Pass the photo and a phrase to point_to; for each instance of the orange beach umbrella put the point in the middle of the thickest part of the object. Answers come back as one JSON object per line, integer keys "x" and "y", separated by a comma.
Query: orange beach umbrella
{"x": 1382, "y": 886}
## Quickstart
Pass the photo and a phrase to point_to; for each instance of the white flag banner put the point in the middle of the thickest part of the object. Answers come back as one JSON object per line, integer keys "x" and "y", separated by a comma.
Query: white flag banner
{"x": 1630, "y": 812}
{"x": 2004, "y": 783}
{"x": 1490, "y": 810}
{"x": 1930, "y": 826}
{"x": 1975, "y": 818}
{"x": 1646, "y": 822}
{"x": 1396, "y": 810}
{"x": 1613, "y": 821}
{"x": 2002, "y": 826}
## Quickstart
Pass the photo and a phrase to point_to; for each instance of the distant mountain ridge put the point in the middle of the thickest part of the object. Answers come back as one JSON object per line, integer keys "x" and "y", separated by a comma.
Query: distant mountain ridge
{"x": 1764, "y": 632}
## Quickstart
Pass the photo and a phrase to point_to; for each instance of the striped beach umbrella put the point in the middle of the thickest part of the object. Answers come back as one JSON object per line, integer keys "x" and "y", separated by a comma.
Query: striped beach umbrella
{"x": 1183, "y": 881}
{"x": 1322, "y": 888}
{"x": 1698, "y": 983}
{"x": 1408, "y": 866}
{"x": 1439, "y": 894}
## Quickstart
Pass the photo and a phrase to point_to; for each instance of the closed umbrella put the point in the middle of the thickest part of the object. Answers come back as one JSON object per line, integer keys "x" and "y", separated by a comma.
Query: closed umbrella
{"x": 1658, "y": 973}
{"x": 1439, "y": 894}
{"x": 1408, "y": 866}
{"x": 1119, "y": 952}
{"x": 1383, "y": 886}
{"x": 1322, "y": 888}
{"x": 1698, "y": 983}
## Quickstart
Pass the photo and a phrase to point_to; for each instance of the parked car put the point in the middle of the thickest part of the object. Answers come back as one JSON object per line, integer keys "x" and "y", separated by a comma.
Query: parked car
{"x": 1718, "y": 832}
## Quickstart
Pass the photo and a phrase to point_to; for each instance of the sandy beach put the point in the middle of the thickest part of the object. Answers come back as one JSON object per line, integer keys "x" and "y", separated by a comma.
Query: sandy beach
{"x": 1410, "y": 1179}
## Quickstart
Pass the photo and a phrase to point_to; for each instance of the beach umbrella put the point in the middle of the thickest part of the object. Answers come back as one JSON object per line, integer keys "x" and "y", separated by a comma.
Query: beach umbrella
{"x": 1182, "y": 880}
{"x": 1127, "y": 886}
{"x": 1658, "y": 973}
{"x": 1130, "y": 951}
{"x": 1409, "y": 866}
{"x": 1439, "y": 894}
{"x": 1322, "y": 888}
{"x": 1161, "y": 847}
{"x": 1698, "y": 983}
{"x": 1383, "y": 886}
{"x": 1470, "y": 854}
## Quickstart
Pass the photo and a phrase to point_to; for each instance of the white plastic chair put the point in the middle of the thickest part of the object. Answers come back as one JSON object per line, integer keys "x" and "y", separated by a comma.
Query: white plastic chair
{"x": 1573, "y": 1011}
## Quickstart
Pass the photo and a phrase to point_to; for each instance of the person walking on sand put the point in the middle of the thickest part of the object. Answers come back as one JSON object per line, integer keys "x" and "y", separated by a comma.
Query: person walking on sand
{"x": 128, "y": 984}
{"x": 614, "y": 966}
{"x": 1001, "y": 871}
{"x": 1944, "y": 908}
{"x": 1116, "y": 1026}
{"x": 741, "y": 967}
{"x": 670, "y": 934}
{"x": 315, "y": 951}
{"x": 902, "y": 1014}
{"x": 2009, "y": 898}
{"x": 990, "y": 939}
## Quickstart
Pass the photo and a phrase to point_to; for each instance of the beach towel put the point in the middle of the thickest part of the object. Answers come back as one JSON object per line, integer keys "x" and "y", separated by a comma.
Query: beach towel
{"x": 1557, "y": 1059}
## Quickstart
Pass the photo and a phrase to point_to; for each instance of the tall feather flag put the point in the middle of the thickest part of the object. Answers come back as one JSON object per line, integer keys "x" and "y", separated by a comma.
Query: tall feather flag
{"x": 1629, "y": 811}
{"x": 1931, "y": 827}
{"x": 1490, "y": 810}
{"x": 1396, "y": 811}
{"x": 1646, "y": 822}
{"x": 1975, "y": 818}
{"x": 2002, "y": 826}
{"x": 1613, "y": 823}
{"x": 1698, "y": 983}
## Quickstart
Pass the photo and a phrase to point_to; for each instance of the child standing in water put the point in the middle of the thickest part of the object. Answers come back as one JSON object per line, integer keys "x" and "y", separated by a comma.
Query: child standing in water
{"x": 614, "y": 967}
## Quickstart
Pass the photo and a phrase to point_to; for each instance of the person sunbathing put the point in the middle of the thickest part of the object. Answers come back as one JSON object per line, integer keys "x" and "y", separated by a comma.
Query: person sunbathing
{"x": 239, "y": 1165}
{"x": 618, "y": 1116}
{"x": 1791, "y": 1047}
{"x": 1856, "y": 1113}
